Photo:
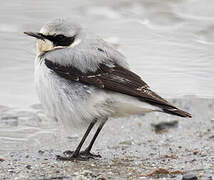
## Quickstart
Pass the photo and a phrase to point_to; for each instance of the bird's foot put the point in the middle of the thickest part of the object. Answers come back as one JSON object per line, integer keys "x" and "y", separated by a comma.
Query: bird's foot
{"x": 90, "y": 155}
{"x": 82, "y": 156}
{"x": 71, "y": 158}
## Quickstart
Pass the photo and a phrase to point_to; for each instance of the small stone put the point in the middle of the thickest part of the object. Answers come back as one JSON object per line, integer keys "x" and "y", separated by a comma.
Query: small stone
{"x": 28, "y": 167}
{"x": 163, "y": 126}
{"x": 128, "y": 142}
{"x": 101, "y": 178}
{"x": 10, "y": 171}
{"x": 211, "y": 137}
{"x": 41, "y": 152}
{"x": 207, "y": 178}
{"x": 189, "y": 177}
{"x": 195, "y": 152}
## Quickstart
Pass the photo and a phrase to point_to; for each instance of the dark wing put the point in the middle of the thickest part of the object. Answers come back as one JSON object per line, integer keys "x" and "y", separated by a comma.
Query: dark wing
{"x": 118, "y": 79}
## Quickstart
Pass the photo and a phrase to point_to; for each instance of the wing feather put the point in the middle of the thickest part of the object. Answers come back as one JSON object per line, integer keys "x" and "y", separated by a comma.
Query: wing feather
{"x": 118, "y": 79}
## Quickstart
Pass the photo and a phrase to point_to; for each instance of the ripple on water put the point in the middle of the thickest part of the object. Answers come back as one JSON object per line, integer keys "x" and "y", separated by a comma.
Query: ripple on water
{"x": 8, "y": 28}
{"x": 162, "y": 40}
{"x": 103, "y": 11}
{"x": 196, "y": 9}
{"x": 21, "y": 128}
{"x": 167, "y": 20}
{"x": 206, "y": 35}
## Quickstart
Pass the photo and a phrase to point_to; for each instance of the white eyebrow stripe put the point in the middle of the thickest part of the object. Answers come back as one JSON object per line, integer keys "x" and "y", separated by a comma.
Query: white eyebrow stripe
{"x": 75, "y": 43}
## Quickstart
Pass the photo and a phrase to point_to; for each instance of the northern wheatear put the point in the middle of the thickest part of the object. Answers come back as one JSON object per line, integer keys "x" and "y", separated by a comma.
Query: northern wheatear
{"x": 82, "y": 80}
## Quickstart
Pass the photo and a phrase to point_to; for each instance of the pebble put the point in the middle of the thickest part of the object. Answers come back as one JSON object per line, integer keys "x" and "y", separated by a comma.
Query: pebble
{"x": 141, "y": 153}
{"x": 164, "y": 125}
{"x": 207, "y": 178}
{"x": 189, "y": 177}
{"x": 41, "y": 152}
{"x": 28, "y": 167}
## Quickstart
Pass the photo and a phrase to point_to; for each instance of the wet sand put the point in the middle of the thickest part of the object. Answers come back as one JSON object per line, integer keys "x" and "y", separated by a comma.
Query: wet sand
{"x": 130, "y": 147}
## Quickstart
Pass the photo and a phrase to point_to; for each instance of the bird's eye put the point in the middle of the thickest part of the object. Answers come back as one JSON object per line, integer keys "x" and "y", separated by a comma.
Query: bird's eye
{"x": 59, "y": 37}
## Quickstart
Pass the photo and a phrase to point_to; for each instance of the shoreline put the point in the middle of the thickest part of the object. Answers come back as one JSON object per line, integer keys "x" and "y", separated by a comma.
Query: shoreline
{"x": 130, "y": 147}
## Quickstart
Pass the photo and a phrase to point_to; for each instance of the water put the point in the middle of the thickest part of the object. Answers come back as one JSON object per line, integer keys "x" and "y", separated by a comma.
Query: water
{"x": 168, "y": 43}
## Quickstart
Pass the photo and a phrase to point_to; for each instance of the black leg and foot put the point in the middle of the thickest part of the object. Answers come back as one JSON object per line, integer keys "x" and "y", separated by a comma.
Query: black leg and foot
{"x": 75, "y": 155}
{"x": 87, "y": 151}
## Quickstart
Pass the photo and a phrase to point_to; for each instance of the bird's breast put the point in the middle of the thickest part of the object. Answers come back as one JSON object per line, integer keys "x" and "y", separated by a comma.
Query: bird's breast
{"x": 65, "y": 100}
{"x": 54, "y": 89}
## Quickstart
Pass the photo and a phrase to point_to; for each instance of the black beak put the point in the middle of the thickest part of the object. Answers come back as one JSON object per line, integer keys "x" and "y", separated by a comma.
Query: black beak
{"x": 36, "y": 35}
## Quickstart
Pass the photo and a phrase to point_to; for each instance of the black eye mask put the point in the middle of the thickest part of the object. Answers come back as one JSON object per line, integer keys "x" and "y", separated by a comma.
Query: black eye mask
{"x": 60, "y": 40}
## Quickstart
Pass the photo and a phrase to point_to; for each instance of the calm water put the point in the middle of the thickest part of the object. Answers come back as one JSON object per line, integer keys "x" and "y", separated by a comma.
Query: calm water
{"x": 170, "y": 44}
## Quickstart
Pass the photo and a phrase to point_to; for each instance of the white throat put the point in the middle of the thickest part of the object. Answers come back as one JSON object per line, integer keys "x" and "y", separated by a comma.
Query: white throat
{"x": 75, "y": 43}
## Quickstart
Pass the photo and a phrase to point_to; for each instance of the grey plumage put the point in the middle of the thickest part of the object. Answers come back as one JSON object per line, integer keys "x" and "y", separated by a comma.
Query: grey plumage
{"x": 79, "y": 78}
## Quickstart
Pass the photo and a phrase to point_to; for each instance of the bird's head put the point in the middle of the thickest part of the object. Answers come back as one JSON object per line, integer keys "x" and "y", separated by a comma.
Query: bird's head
{"x": 59, "y": 33}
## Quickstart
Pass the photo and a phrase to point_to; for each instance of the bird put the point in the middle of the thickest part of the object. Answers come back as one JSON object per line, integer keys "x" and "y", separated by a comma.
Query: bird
{"x": 82, "y": 80}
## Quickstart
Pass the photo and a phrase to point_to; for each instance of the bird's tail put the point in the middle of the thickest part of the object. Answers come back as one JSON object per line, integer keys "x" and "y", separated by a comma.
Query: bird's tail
{"x": 178, "y": 112}
{"x": 158, "y": 101}
{"x": 169, "y": 108}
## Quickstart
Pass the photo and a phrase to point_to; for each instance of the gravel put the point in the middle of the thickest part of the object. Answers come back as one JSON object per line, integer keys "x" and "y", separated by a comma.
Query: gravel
{"x": 130, "y": 148}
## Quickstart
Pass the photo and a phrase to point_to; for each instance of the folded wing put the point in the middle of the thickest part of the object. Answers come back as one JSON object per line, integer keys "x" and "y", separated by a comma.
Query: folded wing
{"x": 118, "y": 79}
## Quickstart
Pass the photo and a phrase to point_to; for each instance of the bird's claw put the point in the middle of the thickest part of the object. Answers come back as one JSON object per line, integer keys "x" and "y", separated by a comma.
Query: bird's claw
{"x": 82, "y": 156}
{"x": 90, "y": 155}
{"x": 71, "y": 158}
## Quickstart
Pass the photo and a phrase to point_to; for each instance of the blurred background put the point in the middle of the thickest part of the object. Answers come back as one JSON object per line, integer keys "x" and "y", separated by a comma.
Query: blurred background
{"x": 168, "y": 43}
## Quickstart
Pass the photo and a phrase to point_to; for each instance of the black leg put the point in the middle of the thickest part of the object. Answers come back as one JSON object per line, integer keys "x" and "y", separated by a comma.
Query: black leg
{"x": 75, "y": 154}
{"x": 88, "y": 149}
